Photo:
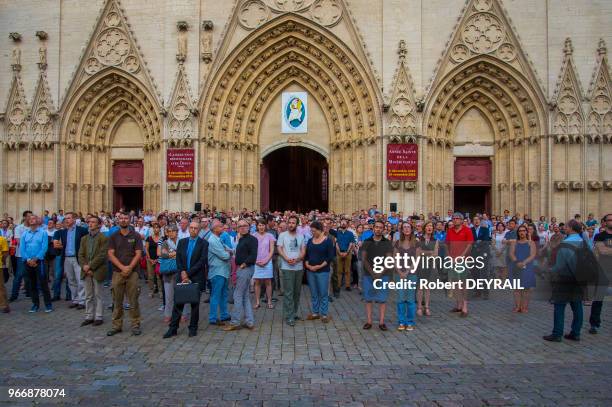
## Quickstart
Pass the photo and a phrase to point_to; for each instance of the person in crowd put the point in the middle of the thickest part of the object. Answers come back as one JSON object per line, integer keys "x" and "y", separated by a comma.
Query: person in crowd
{"x": 406, "y": 297}
{"x": 34, "y": 245}
{"x": 246, "y": 256}
{"x": 166, "y": 254}
{"x": 4, "y": 251}
{"x": 67, "y": 242}
{"x": 218, "y": 274}
{"x": 124, "y": 251}
{"x": 566, "y": 289}
{"x": 320, "y": 253}
{"x": 93, "y": 253}
{"x": 522, "y": 253}
{"x": 183, "y": 228}
{"x": 481, "y": 248}
{"x": 499, "y": 251}
{"x": 428, "y": 247}
{"x": 191, "y": 263}
{"x": 19, "y": 273}
{"x": 264, "y": 272}
{"x": 603, "y": 252}
{"x": 291, "y": 249}
{"x": 153, "y": 278}
{"x": 459, "y": 240}
{"x": 376, "y": 246}
{"x": 345, "y": 242}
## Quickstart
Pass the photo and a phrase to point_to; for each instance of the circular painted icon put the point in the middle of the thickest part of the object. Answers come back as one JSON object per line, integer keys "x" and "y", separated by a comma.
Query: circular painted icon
{"x": 295, "y": 112}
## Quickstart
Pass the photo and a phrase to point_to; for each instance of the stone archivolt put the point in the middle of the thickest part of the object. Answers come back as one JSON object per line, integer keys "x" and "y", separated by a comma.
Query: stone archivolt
{"x": 254, "y": 13}
{"x": 289, "y": 49}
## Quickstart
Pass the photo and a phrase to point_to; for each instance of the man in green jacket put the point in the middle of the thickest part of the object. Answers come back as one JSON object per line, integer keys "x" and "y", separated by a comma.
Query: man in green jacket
{"x": 93, "y": 258}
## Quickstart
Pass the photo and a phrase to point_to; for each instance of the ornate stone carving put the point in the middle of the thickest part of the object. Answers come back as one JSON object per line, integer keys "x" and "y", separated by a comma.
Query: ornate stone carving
{"x": 567, "y": 116}
{"x": 185, "y": 186}
{"x": 483, "y": 33}
{"x": 533, "y": 185}
{"x": 9, "y": 186}
{"x": 502, "y": 186}
{"x": 16, "y": 60}
{"x": 410, "y": 185}
{"x": 394, "y": 185}
{"x": 595, "y": 185}
{"x": 181, "y": 53}
{"x": 607, "y": 185}
{"x": 173, "y": 186}
{"x": 35, "y": 186}
{"x": 15, "y": 36}
{"x": 206, "y": 39}
{"x": 600, "y": 95}
{"x": 576, "y": 185}
{"x": 21, "y": 186}
{"x": 326, "y": 12}
{"x": 253, "y": 13}
{"x": 42, "y": 58}
{"x": 17, "y": 112}
{"x": 561, "y": 185}
{"x": 42, "y": 35}
{"x": 402, "y": 106}
{"x": 46, "y": 186}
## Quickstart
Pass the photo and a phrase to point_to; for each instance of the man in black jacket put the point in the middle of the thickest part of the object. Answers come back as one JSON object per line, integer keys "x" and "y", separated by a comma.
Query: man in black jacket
{"x": 246, "y": 255}
{"x": 67, "y": 242}
{"x": 191, "y": 262}
{"x": 481, "y": 248}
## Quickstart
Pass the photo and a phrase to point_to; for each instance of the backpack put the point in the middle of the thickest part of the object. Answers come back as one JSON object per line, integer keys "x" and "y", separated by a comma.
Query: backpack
{"x": 588, "y": 271}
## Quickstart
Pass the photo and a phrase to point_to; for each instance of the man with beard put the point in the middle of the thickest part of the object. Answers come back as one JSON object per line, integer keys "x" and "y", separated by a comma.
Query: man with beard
{"x": 124, "y": 251}
{"x": 92, "y": 258}
{"x": 292, "y": 249}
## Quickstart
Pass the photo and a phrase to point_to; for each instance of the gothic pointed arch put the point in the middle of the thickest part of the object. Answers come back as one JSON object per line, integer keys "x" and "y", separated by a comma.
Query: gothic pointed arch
{"x": 112, "y": 84}
{"x": 290, "y": 49}
{"x": 485, "y": 69}
{"x": 599, "y": 119}
{"x": 181, "y": 111}
{"x": 17, "y": 113}
{"x": 43, "y": 113}
{"x": 568, "y": 116}
{"x": 402, "y": 104}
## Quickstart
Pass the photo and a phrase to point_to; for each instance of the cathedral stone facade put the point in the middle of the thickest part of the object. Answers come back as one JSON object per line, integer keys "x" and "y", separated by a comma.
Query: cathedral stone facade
{"x": 508, "y": 103}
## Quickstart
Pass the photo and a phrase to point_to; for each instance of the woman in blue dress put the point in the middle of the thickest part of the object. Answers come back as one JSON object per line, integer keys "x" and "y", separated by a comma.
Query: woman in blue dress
{"x": 522, "y": 253}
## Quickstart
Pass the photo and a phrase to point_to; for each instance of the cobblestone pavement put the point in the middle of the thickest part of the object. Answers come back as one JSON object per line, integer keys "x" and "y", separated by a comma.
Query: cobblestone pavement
{"x": 493, "y": 357}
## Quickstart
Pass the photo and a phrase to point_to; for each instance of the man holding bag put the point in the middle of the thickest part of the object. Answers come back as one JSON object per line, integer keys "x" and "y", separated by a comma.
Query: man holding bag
{"x": 191, "y": 262}
{"x": 92, "y": 258}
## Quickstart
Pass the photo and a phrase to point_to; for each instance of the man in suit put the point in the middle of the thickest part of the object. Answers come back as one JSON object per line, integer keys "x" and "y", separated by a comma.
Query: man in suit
{"x": 92, "y": 258}
{"x": 481, "y": 247}
{"x": 191, "y": 262}
{"x": 68, "y": 242}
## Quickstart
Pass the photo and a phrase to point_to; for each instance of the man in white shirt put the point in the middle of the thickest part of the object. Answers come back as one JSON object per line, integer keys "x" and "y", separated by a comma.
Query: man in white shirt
{"x": 142, "y": 229}
{"x": 291, "y": 249}
{"x": 183, "y": 229}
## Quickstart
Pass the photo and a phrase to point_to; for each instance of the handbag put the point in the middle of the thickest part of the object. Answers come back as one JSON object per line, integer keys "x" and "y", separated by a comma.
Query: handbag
{"x": 167, "y": 266}
{"x": 187, "y": 293}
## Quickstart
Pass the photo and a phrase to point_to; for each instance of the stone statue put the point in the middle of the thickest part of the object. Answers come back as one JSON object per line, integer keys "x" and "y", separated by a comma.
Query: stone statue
{"x": 16, "y": 56}
{"x": 42, "y": 56}
{"x": 181, "y": 54}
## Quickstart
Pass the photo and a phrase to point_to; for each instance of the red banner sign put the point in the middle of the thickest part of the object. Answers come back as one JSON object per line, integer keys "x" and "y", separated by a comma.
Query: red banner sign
{"x": 402, "y": 162}
{"x": 180, "y": 164}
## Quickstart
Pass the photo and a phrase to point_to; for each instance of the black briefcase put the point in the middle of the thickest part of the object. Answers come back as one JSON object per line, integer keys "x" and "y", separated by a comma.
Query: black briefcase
{"x": 187, "y": 293}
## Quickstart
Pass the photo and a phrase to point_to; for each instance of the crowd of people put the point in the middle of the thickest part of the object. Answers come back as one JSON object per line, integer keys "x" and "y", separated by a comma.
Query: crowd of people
{"x": 248, "y": 260}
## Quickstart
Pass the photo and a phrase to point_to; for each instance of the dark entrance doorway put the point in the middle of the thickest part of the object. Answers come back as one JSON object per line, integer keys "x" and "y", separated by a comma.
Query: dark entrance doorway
{"x": 472, "y": 192}
{"x": 128, "y": 180}
{"x": 294, "y": 178}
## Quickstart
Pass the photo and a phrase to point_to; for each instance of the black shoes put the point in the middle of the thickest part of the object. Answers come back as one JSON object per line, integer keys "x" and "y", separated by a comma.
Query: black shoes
{"x": 192, "y": 333}
{"x": 552, "y": 338}
{"x": 113, "y": 332}
{"x": 593, "y": 330}
{"x": 136, "y": 331}
{"x": 98, "y": 322}
{"x": 348, "y": 289}
{"x": 87, "y": 322}
{"x": 170, "y": 334}
{"x": 571, "y": 337}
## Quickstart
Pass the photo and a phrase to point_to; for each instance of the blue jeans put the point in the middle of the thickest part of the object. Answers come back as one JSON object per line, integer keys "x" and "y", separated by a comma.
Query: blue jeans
{"x": 58, "y": 273}
{"x": 218, "y": 299}
{"x": 318, "y": 282}
{"x": 406, "y": 312}
{"x": 560, "y": 317}
{"x": 18, "y": 277}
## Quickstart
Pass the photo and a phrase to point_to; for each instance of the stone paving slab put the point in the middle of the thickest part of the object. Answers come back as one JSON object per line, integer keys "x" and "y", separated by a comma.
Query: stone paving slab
{"x": 493, "y": 357}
